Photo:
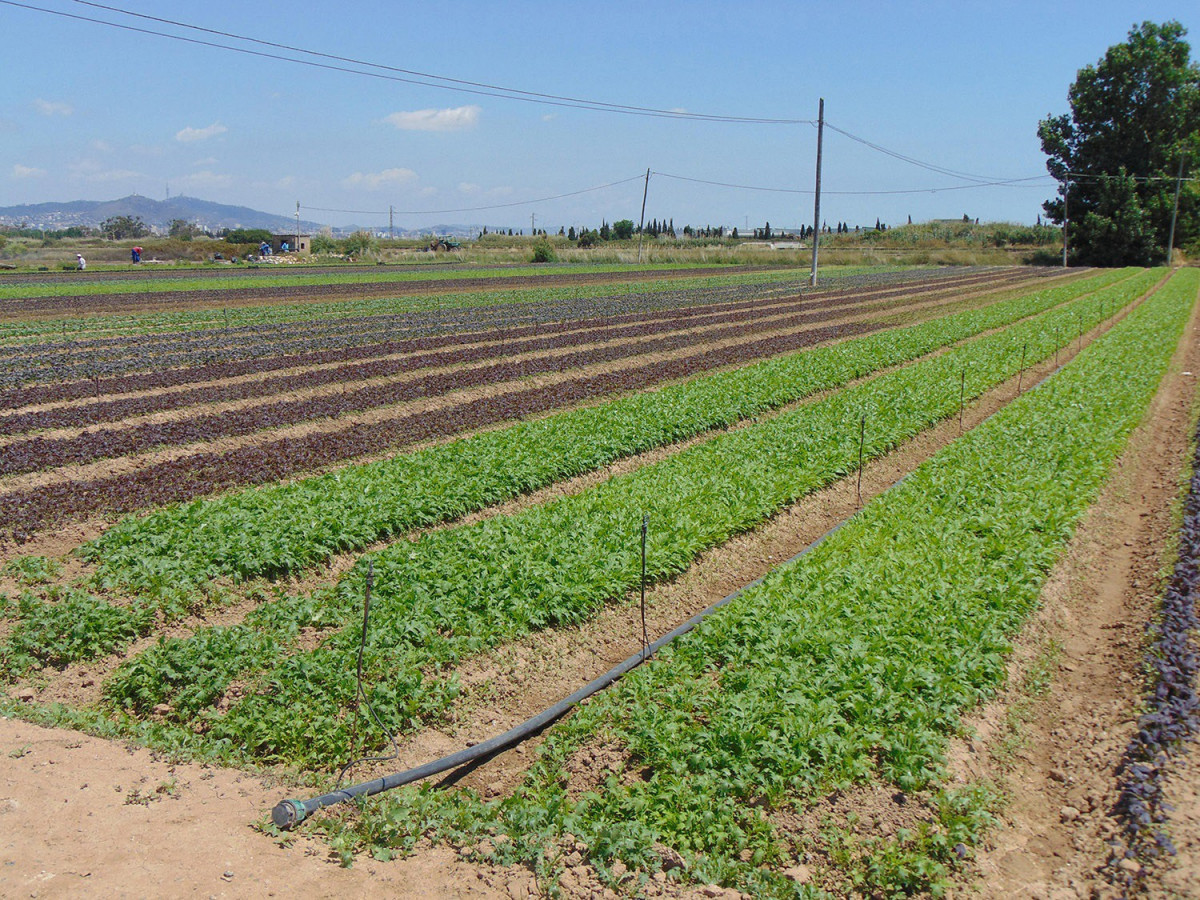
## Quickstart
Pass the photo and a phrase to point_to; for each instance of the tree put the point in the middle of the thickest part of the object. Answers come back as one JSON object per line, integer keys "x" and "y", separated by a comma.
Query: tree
{"x": 248, "y": 236}
{"x": 182, "y": 229}
{"x": 118, "y": 228}
{"x": 323, "y": 243}
{"x": 1135, "y": 118}
{"x": 622, "y": 230}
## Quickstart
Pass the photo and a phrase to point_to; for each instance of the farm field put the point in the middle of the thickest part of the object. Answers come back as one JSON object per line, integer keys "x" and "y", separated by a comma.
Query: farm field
{"x": 199, "y": 493}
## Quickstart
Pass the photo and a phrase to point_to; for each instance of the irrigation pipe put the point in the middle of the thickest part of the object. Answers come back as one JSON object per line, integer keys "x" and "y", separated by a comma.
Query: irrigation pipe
{"x": 289, "y": 813}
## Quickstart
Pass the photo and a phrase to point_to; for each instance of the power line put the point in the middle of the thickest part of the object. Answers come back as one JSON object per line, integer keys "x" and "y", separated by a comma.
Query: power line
{"x": 1007, "y": 182}
{"x": 1094, "y": 178}
{"x": 932, "y": 167}
{"x": 418, "y": 212}
{"x": 392, "y": 73}
{"x": 451, "y": 82}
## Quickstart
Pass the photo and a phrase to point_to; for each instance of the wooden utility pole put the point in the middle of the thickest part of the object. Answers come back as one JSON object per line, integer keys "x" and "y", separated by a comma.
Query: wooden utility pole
{"x": 642, "y": 223}
{"x": 391, "y": 224}
{"x": 297, "y": 226}
{"x": 816, "y": 235}
{"x": 1175, "y": 211}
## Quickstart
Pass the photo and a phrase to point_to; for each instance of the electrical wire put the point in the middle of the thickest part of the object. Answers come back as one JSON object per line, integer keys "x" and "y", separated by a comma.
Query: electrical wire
{"x": 518, "y": 94}
{"x": 389, "y": 73}
{"x": 1009, "y": 182}
{"x": 419, "y": 212}
{"x": 932, "y": 167}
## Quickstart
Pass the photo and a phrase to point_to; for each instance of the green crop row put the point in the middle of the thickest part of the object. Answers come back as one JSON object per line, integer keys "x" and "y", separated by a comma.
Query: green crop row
{"x": 247, "y": 313}
{"x": 453, "y": 593}
{"x": 855, "y": 663}
{"x": 281, "y": 529}
{"x": 299, "y": 277}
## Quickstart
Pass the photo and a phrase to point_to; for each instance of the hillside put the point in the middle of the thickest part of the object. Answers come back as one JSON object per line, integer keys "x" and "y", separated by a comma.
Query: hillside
{"x": 155, "y": 213}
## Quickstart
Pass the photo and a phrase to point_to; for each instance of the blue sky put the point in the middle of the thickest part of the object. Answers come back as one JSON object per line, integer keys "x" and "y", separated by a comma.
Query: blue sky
{"x": 92, "y": 112}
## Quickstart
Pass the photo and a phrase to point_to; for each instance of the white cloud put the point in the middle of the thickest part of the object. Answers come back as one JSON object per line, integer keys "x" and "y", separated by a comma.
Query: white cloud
{"x": 101, "y": 146}
{"x": 205, "y": 179}
{"x": 207, "y": 161}
{"x": 53, "y": 107}
{"x": 113, "y": 175}
{"x": 91, "y": 170}
{"x": 549, "y": 117}
{"x": 467, "y": 187}
{"x": 373, "y": 181}
{"x": 20, "y": 171}
{"x": 459, "y": 118}
{"x": 187, "y": 135}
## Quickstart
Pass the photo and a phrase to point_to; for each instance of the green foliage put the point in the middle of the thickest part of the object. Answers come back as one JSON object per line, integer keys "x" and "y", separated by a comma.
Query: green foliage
{"x": 360, "y": 243}
{"x": 853, "y": 664}
{"x": 588, "y": 238}
{"x": 543, "y": 252}
{"x": 455, "y": 592}
{"x": 32, "y": 569}
{"x": 119, "y": 228}
{"x": 275, "y": 530}
{"x": 1117, "y": 230}
{"x": 182, "y": 229}
{"x": 248, "y": 236}
{"x": 622, "y": 229}
{"x": 71, "y": 625}
{"x": 1134, "y": 115}
{"x": 324, "y": 243}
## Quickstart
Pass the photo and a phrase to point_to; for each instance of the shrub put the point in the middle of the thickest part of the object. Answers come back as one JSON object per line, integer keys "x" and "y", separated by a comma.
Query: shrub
{"x": 543, "y": 252}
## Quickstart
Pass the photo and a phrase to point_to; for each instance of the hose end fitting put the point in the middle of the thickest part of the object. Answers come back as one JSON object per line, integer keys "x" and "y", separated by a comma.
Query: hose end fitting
{"x": 288, "y": 814}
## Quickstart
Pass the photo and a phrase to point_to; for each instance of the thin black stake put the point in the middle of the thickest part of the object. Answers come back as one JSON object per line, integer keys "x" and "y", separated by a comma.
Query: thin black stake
{"x": 962, "y": 393}
{"x": 1079, "y": 340}
{"x": 645, "y": 636}
{"x": 1021, "y": 373}
{"x": 1056, "y": 345}
{"x": 862, "y": 433}
{"x": 362, "y": 646}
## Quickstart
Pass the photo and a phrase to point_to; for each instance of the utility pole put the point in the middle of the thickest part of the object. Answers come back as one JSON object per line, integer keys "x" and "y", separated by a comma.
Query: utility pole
{"x": 1175, "y": 211}
{"x": 391, "y": 224}
{"x": 812, "y": 278}
{"x": 642, "y": 223}
{"x": 1066, "y": 219}
{"x": 297, "y": 226}
{"x": 532, "y": 218}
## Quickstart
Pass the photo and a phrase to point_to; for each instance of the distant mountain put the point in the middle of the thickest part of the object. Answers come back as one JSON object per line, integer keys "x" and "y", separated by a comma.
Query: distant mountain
{"x": 158, "y": 214}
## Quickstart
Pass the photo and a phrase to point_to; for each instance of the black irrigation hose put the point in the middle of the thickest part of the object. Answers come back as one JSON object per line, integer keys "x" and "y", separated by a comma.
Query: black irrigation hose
{"x": 290, "y": 813}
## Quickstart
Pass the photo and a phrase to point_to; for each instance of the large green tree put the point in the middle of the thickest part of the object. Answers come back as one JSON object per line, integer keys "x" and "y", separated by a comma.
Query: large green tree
{"x": 1134, "y": 118}
{"x": 119, "y": 228}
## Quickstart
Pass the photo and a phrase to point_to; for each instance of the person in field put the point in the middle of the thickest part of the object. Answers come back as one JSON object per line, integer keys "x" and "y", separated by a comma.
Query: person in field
{"x": 80, "y": 262}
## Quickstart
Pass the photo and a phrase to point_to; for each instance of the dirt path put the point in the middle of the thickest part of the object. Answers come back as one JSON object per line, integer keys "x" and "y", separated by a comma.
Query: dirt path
{"x": 85, "y": 817}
